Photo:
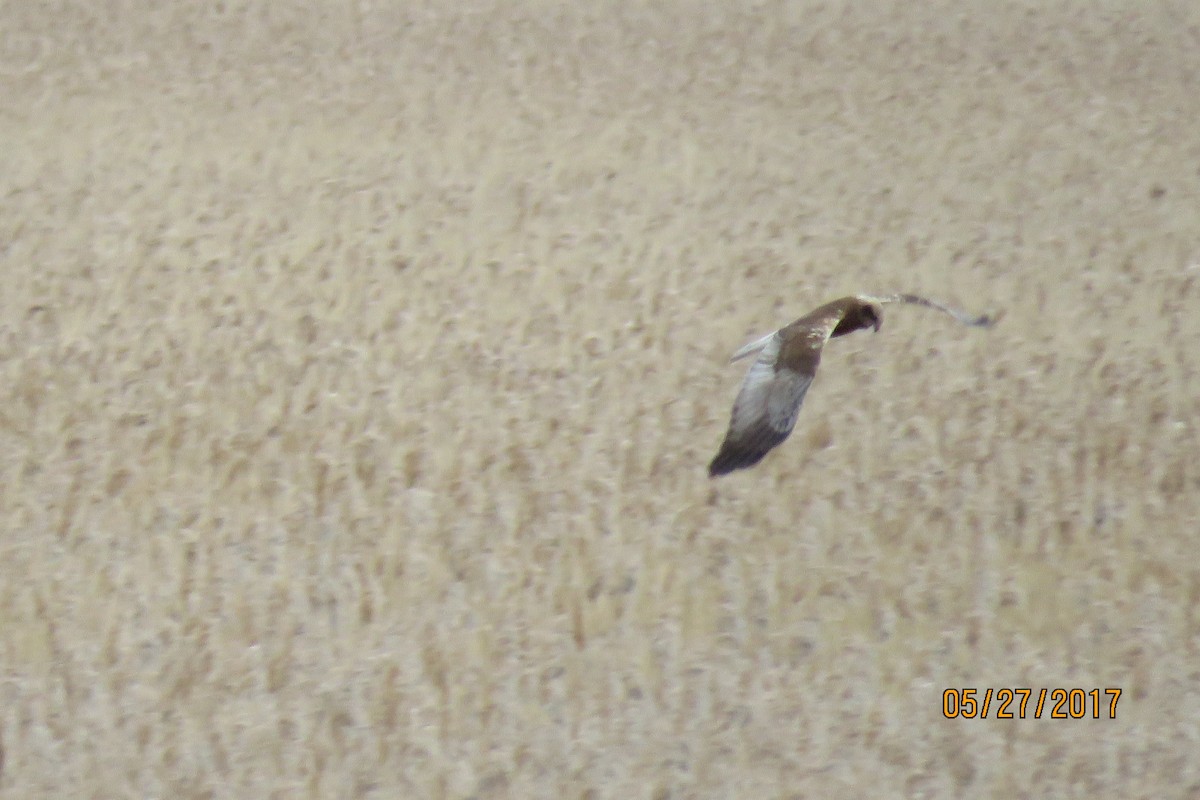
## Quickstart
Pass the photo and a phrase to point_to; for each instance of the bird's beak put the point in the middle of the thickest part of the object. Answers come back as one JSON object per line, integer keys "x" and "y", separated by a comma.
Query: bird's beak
{"x": 878, "y": 325}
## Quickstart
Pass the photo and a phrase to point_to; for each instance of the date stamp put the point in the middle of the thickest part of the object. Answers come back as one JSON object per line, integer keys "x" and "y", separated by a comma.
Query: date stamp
{"x": 1035, "y": 703}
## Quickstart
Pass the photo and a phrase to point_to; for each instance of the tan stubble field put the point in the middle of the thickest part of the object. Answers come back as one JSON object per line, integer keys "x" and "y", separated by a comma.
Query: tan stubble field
{"x": 361, "y": 365}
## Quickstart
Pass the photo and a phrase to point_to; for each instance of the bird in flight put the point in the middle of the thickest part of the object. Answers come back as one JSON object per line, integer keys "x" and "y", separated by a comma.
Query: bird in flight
{"x": 765, "y": 410}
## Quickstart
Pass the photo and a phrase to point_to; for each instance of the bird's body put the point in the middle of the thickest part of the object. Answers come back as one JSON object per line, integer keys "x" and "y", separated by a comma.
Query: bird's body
{"x": 769, "y": 400}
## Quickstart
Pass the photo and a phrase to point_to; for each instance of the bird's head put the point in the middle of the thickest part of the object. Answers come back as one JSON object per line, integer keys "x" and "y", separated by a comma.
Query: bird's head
{"x": 870, "y": 315}
{"x": 857, "y": 314}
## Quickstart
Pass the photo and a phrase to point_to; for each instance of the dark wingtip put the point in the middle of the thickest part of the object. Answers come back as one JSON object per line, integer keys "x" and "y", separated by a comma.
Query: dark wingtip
{"x": 987, "y": 320}
{"x": 733, "y": 458}
{"x": 722, "y": 464}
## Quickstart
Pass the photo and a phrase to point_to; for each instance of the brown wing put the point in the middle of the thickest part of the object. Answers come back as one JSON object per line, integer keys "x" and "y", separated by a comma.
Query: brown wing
{"x": 763, "y": 415}
{"x": 768, "y": 403}
{"x": 766, "y": 407}
{"x": 980, "y": 321}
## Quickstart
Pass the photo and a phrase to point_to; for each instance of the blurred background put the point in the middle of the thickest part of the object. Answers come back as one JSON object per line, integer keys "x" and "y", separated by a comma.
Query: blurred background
{"x": 360, "y": 364}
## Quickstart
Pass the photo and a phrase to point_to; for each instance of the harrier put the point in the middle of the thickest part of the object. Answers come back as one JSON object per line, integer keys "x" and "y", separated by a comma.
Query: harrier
{"x": 767, "y": 404}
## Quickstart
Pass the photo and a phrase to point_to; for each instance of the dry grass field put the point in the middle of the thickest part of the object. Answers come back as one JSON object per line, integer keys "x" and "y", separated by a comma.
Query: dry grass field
{"x": 360, "y": 364}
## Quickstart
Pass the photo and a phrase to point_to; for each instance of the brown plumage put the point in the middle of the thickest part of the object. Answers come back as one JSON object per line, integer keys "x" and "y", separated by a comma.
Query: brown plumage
{"x": 767, "y": 404}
